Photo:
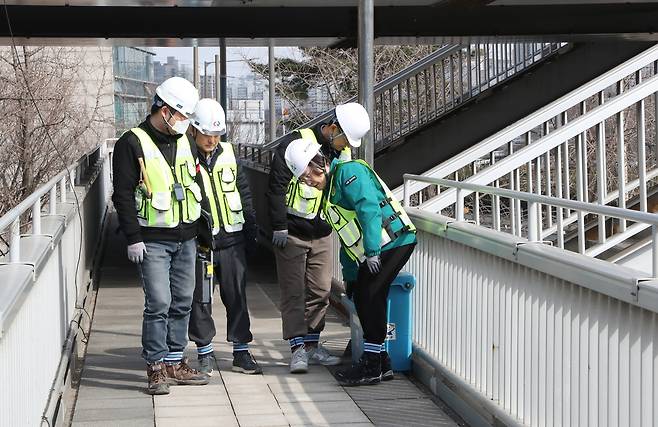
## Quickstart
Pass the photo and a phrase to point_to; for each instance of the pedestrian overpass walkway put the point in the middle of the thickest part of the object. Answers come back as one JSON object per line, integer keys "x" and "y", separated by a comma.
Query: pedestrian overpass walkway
{"x": 113, "y": 379}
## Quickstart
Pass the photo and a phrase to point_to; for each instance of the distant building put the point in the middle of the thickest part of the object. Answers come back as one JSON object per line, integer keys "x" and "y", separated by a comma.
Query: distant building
{"x": 134, "y": 86}
{"x": 246, "y": 121}
{"x": 171, "y": 68}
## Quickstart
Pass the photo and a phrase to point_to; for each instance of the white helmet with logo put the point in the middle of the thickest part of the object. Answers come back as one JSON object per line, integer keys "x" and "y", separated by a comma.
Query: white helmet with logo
{"x": 209, "y": 117}
{"x": 354, "y": 121}
{"x": 299, "y": 154}
{"x": 179, "y": 94}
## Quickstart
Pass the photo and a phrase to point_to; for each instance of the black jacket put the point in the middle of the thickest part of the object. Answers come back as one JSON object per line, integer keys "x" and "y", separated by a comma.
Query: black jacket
{"x": 279, "y": 179}
{"x": 224, "y": 239}
{"x": 126, "y": 173}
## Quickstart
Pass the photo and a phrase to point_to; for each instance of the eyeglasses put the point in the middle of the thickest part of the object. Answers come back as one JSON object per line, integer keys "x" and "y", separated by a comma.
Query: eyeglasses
{"x": 308, "y": 173}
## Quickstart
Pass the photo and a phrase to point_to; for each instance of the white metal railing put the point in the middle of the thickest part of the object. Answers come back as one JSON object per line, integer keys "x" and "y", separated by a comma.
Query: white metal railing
{"x": 44, "y": 285}
{"x": 431, "y": 88}
{"x": 531, "y": 213}
{"x": 566, "y": 164}
{"x": 545, "y": 336}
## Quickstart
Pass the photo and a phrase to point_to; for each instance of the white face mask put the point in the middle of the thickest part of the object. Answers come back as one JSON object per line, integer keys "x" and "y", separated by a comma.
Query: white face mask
{"x": 180, "y": 127}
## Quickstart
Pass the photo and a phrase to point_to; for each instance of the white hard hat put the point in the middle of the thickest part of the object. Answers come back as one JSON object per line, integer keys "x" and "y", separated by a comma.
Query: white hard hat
{"x": 354, "y": 121}
{"x": 299, "y": 154}
{"x": 209, "y": 117}
{"x": 179, "y": 94}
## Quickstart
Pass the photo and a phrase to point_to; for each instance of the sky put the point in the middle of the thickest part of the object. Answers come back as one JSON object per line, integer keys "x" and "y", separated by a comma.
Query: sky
{"x": 236, "y": 67}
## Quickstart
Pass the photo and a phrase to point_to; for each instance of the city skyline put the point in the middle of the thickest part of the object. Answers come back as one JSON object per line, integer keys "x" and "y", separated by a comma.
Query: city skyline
{"x": 236, "y": 65}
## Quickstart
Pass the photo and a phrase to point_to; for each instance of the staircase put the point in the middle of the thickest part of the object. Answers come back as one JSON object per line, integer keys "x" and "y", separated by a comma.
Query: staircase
{"x": 596, "y": 144}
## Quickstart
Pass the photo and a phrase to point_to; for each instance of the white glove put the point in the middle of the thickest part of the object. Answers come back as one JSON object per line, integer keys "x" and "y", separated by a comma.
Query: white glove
{"x": 280, "y": 238}
{"x": 136, "y": 252}
{"x": 374, "y": 264}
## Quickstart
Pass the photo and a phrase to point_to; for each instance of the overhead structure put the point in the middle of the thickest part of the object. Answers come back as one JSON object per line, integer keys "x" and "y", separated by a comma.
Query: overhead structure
{"x": 297, "y": 23}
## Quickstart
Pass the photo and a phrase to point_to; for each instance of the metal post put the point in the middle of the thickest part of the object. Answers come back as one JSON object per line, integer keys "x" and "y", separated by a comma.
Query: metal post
{"x": 367, "y": 71}
{"x": 62, "y": 190}
{"x": 195, "y": 66}
{"x": 52, "y": 201}
{"x": 15, "y": 241}
{"x": 533, "y": 222}
{"x": 459, "y": 205}
{"x": 405, "y": 192}
{"x": 222, "y": 78}
{"x": 217, "y": 91}
{"x": 601, "y": 170}
{"x": 621, "y": 161}
{"x": 654, "y": 247}
{"x": 205, "y": 79}
{"x": 272, "y": 89}
{"x": 36, "y": 216}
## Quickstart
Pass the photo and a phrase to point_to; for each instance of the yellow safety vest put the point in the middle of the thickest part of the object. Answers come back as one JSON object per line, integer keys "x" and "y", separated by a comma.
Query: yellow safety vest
{"x": 346, "y": 223}
{"x": 160, "y": 208}
{"x": 222, "y": 191}
{"x": 301, "y": 199}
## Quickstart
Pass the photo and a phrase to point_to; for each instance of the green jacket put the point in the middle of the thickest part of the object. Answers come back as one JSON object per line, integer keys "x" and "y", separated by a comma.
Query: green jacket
{"x": 356, "y": 188}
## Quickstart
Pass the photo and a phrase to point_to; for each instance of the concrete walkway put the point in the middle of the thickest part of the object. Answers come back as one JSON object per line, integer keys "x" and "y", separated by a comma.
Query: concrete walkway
{"x": 112, "y": 387}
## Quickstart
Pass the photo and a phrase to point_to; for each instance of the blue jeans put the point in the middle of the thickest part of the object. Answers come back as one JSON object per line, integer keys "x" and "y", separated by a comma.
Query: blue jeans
{"x": 167, "y": 274}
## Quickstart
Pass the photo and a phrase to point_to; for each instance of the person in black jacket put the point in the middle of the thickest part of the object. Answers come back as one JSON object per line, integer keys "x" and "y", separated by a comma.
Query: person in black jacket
{"x": 300, "y": 237}
{"x": 157, "y": 196}
{"x": 233, "y": 227}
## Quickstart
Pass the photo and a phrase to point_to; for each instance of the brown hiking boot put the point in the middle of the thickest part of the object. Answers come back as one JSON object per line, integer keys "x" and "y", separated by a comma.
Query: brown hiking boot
{"x": 157, "y": 374}
{"x": 182, "y": 374}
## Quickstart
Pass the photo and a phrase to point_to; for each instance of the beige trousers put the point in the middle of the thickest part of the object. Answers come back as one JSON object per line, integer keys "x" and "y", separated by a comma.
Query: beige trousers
{"x": 304, "y": 272}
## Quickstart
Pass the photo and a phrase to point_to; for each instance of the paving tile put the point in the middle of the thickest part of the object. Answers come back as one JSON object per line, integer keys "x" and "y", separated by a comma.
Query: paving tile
{"x": 300, "y": 396}
{"x": 248, "y": 388}
{"x": 197, "y": 390}
{"x": 101, "y": 414}
{"x": 306, "y": 387}
{"x": 256, "y": 409}
{"x": 211, "y": 399}
{"x": 216, "y": 421}
{"x": 193, "y": 411}
{"x": 118, "y": 403}
{"x": 137, "y": 422}
{"x": 269, "y": 420}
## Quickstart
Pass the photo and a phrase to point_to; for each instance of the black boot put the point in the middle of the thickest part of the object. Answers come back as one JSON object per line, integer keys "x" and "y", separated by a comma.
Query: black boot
{"x": 387, "y": 369}
{"x": 367, "y": 371}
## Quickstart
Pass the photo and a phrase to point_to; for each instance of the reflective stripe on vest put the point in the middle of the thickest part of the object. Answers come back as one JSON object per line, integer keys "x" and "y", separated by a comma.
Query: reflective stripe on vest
{"x": 162, "y": 209}
{"x": 346, "y": 223}
{"x": 301, "y": 199}
{"x": 222, "y": 191}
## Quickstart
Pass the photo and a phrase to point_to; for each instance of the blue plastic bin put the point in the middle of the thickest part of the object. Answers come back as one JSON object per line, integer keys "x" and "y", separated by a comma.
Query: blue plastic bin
{"x": 399, "y": 311}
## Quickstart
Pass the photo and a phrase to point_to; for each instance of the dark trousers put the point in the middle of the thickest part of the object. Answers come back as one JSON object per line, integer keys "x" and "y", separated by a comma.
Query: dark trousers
{"x": 371, "y": 292}
{"x": 231, "y": 275}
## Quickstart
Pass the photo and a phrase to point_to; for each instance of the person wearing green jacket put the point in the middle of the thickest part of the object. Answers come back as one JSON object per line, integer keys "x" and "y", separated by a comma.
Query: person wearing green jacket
{"x": 377, "y": 239}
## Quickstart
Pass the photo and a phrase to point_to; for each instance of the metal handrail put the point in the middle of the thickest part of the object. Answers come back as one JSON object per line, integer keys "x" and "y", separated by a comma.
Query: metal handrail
{"x": 521, "y": 128}
{"x": 534, "y": 213}
{"x": 383, "y": 85}
{"x": 429, "y": 89}
{"x": 628, "y": 214}
{"x": 11, "y": 219}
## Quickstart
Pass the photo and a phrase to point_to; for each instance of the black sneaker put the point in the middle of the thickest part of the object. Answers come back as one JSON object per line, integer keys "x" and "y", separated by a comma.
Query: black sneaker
{"x": 367, "y": 371}
{"x": 387, "y": 369}
{"x": 244, "y": 362}
{"x": 207, "y": 365}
